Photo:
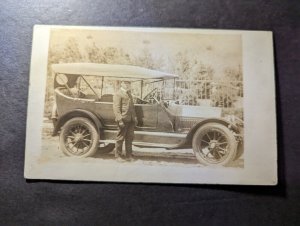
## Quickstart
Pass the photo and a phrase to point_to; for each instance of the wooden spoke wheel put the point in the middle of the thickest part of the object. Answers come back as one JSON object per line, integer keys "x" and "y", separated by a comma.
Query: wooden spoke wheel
{"x": 214, "y": 144}
{"x": 79, "y": 138}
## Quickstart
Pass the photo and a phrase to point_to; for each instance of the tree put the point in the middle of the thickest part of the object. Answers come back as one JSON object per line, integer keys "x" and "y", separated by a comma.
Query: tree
{"x": 107, "y": 55}
{"x": 148, "y": 60}
{"x": 181, "y": 65}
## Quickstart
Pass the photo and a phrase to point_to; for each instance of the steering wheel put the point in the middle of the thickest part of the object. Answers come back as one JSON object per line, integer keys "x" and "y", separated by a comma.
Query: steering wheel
{"x": 141, "y": 101}
{"x": 151, "y": 96}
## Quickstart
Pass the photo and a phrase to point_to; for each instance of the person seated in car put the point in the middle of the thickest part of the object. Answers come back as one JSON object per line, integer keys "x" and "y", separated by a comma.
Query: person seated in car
{"x": 73, "y": 92}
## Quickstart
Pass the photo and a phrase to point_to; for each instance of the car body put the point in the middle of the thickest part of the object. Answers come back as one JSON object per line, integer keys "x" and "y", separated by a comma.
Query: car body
{"x": 84, "y": 105}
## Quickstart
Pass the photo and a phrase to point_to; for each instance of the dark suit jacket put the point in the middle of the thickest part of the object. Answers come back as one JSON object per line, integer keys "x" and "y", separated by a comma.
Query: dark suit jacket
{"x": 123, "y": 107}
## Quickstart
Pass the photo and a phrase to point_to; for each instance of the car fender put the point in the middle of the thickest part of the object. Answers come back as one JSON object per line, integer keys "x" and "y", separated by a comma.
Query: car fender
{"x": 192, "y": 131}
{"x": 77, "y": 113}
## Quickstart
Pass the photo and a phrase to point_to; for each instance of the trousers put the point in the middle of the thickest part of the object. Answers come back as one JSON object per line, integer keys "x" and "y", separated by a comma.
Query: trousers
{"x": 125, "y": 133}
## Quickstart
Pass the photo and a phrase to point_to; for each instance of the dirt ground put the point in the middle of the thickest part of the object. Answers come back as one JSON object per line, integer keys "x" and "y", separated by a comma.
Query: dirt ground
{"x": 142, "y": 156}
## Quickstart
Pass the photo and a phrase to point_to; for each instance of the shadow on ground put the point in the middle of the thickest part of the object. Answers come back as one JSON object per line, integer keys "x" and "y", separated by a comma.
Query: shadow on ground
{"x": 168, "y": 157}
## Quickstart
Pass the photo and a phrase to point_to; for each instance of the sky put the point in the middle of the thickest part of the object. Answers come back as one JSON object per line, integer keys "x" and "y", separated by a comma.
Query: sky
{"x": 219, "y": 51}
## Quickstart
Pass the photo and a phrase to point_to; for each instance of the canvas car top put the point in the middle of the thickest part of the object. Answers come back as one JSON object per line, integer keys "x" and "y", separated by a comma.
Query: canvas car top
{"x": 110, "y": 70}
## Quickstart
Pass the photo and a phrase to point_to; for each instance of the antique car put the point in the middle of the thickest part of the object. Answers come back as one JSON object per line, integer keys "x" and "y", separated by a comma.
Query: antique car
{"x": 86, "y": 122}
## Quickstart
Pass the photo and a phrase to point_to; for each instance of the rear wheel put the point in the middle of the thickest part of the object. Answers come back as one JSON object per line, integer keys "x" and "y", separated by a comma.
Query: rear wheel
{"x": 214, "y": 145}
{"x": 79, "y": 138}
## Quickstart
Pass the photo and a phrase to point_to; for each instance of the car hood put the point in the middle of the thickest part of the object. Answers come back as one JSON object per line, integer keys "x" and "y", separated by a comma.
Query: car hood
{"x": 195, "y": 111}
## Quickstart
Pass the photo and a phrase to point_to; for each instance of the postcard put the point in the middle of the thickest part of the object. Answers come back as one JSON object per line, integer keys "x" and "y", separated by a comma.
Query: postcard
{"x": 151, "y": 105}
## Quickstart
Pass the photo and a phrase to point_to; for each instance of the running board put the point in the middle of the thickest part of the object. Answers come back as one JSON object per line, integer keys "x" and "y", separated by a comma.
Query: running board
{"x": 153, "y": 145}
{"x": 149, "y": 139}
{"x": 142, "y": 144}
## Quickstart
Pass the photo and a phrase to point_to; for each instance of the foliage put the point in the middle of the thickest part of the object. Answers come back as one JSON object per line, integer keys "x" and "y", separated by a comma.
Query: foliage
{"x": 191, "y": 68}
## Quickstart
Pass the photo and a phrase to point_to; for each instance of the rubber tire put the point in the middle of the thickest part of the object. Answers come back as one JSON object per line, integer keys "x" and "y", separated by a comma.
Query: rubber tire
{"x": 107, "y": 149}
{"x": 94, "y": 134}
{"x": 230, "y": 138}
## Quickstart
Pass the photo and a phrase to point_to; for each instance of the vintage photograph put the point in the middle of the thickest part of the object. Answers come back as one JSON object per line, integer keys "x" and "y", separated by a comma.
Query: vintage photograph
{"x": 142, "y": 99}
{"x": 168, "y": 91}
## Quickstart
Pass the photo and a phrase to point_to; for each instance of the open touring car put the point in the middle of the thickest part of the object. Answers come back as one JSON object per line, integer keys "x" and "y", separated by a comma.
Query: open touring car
{"x": 86, "y": 122}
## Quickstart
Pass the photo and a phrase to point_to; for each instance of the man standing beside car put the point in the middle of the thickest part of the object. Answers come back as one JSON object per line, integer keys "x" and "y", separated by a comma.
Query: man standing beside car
{"x": 124, "y": 111}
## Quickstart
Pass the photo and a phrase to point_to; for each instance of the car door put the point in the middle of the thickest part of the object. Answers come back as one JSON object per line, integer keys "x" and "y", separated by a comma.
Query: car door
{"x": 147, "y": 116}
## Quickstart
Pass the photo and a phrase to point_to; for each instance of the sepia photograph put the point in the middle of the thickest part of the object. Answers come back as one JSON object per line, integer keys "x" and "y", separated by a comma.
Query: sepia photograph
{"x": 147, "y": 105}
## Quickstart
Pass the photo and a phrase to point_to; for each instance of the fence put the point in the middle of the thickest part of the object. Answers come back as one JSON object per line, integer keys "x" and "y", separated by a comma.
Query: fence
{"x": 225, "y": 94}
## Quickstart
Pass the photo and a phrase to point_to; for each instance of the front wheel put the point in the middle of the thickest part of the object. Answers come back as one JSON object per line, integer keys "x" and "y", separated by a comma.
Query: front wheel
{"x": 214, "y": 145}
{"x": 79, "y": 138}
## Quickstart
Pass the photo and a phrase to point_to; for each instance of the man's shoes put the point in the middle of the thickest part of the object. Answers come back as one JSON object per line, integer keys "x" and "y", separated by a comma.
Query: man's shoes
{"x": 119, "y": 159}
{"x": 129, "y": 158}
